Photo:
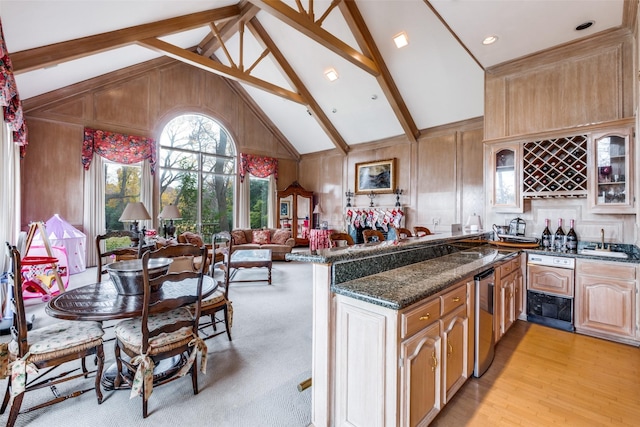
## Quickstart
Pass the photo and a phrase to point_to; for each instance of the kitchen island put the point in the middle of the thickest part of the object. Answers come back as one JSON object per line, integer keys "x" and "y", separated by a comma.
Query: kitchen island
{"x": 390, "y": 280}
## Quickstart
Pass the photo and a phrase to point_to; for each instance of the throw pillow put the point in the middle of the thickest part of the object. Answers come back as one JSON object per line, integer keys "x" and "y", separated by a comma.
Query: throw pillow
{"x": 280, "y": 236}
{"x": 193, "y": 238}
{"x": 261, "y": 237}
{"x": 238, "y": 237}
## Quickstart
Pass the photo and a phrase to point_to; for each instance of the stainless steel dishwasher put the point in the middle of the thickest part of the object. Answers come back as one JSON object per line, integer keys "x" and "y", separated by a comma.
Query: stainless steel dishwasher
{"x": 484, "y": 336}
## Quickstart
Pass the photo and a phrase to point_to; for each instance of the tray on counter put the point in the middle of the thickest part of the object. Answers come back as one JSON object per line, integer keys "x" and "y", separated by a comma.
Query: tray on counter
{"x": 515, "y": 243}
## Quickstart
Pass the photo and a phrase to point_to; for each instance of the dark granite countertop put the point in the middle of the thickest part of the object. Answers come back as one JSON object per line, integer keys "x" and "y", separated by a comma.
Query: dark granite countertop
{"x": 632, "y": 251}
{"x": 400, "y": 287}
{"x": 329, "y": 256}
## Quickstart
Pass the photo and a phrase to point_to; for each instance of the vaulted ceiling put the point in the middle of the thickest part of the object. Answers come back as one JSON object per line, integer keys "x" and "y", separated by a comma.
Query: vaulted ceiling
{"x": 279, "y": 51}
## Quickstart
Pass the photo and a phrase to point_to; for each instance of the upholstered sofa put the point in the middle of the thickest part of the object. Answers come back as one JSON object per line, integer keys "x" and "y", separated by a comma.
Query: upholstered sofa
{"x": 279, "y": 240}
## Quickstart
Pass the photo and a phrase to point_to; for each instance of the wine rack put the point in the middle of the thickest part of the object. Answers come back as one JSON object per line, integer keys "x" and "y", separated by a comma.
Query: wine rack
{"x": 555, "y": 167}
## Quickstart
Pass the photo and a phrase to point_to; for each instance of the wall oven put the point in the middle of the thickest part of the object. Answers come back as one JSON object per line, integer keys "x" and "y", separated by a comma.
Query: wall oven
{"x": 550, "y": 290}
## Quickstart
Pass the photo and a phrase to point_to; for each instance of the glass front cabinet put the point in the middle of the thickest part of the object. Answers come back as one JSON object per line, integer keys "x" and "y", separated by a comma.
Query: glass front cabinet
{"x": 504, "y": 176}
{"x": 611, "y": 177}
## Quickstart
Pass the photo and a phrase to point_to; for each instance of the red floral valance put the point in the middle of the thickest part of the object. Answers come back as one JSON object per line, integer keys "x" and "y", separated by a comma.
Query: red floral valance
{"x": 9, "y": 98}
{"x": 258, "y": 166}
{"x": 117, "y": 147}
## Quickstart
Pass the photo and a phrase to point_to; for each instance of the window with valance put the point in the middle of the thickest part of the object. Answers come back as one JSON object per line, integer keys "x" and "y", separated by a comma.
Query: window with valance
{"x": 259, "y": 166}
{"x": 9, "y": 97}
{"x": 117, "y": 147}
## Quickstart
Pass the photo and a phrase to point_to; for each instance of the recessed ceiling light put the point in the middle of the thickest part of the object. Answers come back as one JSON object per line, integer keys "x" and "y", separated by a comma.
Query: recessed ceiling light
{"x": 331, "y": 75}
{"x": 490, "y": 40}
{"x": 585, "y": 25}
{"x": 401, "y": 40}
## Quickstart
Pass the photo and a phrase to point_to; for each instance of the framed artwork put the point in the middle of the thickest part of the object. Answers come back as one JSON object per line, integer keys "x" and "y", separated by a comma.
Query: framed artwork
{"x": 376, "y": 177}
{"x": 285, "y": 208}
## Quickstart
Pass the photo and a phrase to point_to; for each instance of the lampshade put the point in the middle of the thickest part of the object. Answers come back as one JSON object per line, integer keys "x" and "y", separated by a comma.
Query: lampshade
{"x": 474, "y": 221}
{"x": 317, "y": 209}
{"x": 169, "y": 212}
{"x": 134, "y": 211}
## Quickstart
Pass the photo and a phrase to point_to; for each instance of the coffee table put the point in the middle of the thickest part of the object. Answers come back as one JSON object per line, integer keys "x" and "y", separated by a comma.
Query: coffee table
{"x": 250, "y": 258}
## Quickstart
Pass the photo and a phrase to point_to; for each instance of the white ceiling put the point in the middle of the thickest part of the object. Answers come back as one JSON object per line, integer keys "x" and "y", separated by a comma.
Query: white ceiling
{"x": 437, "y": 78}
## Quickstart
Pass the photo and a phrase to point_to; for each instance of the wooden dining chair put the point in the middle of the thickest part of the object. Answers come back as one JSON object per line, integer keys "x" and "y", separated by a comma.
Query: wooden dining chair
{"x": 334, "y": 237}
{"x": 421, "y": 231}
{"x": 218, "y": 304}
{"x": 106, "y": 256}
{"x": 46, "y": 349}
{"x": 405, "y": 231}
{"x": 373, "y": 236}
{"x": 166, "y": 329}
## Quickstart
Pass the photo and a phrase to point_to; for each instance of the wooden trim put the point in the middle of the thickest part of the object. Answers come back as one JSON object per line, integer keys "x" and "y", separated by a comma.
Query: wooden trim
{"x": 46, "y": 56}
{"x": 630, "y": 121}
{"x": 215, "y": 67}
{"x": 41, "y": 101}
{"x": 263, "y": 37}
{"x": 210, "y": 44}
{"x": 358, "y": 27}
{"x": 575, "y": 49}
{"x": 629, "y": 14}
{"x": 302, "y": 23}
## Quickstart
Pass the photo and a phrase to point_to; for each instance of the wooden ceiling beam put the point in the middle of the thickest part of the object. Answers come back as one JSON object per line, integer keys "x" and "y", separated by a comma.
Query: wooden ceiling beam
{"x": 211, "y": 43}
{"x": 215, "y": 67}
{"x": 263, "y": 37}
{"x": 359, "y": 28}
{"x": 303, "y": 24}
{"x": 53, "y": 54}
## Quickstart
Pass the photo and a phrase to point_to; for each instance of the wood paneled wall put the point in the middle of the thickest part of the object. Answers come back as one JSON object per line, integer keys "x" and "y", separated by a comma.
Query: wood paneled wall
{"x": 582, "y": 83}
{"x": 440, "y": 175}
{"x": 139, "y": 104}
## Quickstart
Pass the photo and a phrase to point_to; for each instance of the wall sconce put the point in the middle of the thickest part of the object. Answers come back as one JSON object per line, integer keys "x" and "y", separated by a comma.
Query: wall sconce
{"x": 349, "y": 194}
{"x": 398, "y": 193}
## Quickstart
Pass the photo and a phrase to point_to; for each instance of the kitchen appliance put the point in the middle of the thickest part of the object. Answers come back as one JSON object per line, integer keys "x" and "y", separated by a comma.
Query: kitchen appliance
{"x": 550, "y": 291}
{"x": 484, "y": 345}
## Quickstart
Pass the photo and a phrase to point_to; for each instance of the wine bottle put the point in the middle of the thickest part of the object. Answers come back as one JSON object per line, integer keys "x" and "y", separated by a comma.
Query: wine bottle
{"x": 558, "y": 237}
{"x": 546, "y": 235}
{"x": 572, "y": 238}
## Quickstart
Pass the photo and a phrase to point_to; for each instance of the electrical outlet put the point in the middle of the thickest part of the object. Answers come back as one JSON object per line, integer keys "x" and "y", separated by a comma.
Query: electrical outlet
{"x": 435, "y": 221}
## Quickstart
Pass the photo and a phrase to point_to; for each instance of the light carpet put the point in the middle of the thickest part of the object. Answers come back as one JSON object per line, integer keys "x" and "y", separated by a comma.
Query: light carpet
{"x": 250, "y": 381}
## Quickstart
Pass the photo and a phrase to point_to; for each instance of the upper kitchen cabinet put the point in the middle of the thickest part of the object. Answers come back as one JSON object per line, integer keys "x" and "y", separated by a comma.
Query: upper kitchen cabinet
{"x": 612, "y": 172}
{"x": 504, "y": 177}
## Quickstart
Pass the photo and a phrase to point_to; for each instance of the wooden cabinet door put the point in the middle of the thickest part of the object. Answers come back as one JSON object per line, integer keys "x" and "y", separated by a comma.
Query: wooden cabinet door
{"x": 421, "y": 373}
{"x": 508, "y": 315}
{"x": 519, "y": 296}
{"x": 504, "y": 177}
{"x": 550, "y": 280}
{"x": 605, "y": 305}
{"x": 455, "y": 351}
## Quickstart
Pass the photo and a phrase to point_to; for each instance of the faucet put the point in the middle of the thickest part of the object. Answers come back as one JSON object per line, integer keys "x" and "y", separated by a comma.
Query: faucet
{"x": 602, "y": 248}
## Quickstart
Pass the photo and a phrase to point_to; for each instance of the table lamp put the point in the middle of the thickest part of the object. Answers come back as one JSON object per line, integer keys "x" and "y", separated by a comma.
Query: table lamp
{"x": 134, "y": 212}
{"x": 474, "y": 223}
{"x": 169, "y": 212}
{"x": 316, "y": 215}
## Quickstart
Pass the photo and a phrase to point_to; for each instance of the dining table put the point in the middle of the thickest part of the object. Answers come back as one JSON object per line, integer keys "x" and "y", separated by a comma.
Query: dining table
{"x": 101, "y": 302}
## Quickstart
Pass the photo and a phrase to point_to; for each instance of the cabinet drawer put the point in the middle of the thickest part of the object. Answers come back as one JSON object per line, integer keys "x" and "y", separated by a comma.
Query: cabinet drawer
{"x": 604, "y": 269}
{"x": 415, "y": 319}
{"x": 509, "y": 266}
{"x": 454, "y": 299}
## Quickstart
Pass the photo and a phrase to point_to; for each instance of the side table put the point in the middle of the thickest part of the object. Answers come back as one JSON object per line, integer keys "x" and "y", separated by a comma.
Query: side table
{"x": 319, "y": 239}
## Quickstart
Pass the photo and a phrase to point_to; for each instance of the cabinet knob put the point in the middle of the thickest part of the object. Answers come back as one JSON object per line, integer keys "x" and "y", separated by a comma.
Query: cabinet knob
{"x": 425, "y": 317}
{"x": 450, "y": 352}
{"x": 456, "y": 299}
{"x": 435, "y": 361}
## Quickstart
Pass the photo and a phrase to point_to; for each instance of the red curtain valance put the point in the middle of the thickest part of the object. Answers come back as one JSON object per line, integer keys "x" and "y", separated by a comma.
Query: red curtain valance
{"x": 258, "y": 166}
{"x": 117, "y": 147}
{"x": 9, "y": 98}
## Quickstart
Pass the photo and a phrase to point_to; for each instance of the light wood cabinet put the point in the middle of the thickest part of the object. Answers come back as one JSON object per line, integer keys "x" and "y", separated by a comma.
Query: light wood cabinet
{"x": 612, "y": 172}
{"x": 606, "y": 300}
{"x": 508, "y": 296}
{"x": 401, "y": 367}
{"x": 295, "y": 211}
{"x": 504, "y": 177}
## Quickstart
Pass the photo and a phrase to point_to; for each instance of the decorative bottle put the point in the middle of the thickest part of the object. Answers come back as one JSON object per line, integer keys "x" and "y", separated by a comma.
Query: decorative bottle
{"x": 572, "y": 238}
{"x": 546, "y": 235}
{"x": 558, "y": 237}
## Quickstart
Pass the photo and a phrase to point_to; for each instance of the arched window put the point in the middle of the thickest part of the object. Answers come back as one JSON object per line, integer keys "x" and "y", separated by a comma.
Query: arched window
{"x": 197, "y": 173}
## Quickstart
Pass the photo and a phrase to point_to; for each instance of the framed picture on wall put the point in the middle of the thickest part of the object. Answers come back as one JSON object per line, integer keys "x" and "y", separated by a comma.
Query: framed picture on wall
{"x": 285, "y": 208}
{"x": 376, "y": 177}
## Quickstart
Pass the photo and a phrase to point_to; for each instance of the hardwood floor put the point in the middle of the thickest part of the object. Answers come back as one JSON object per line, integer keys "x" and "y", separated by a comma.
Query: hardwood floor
{"x": 543, "y": 376}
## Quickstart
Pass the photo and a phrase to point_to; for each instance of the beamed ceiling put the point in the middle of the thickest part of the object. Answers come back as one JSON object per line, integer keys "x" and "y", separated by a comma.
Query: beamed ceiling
{"x": 276, "y": 53}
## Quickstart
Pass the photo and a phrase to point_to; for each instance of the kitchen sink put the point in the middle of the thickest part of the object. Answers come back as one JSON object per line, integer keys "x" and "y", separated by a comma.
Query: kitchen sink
{"x": 611, "y": 254}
